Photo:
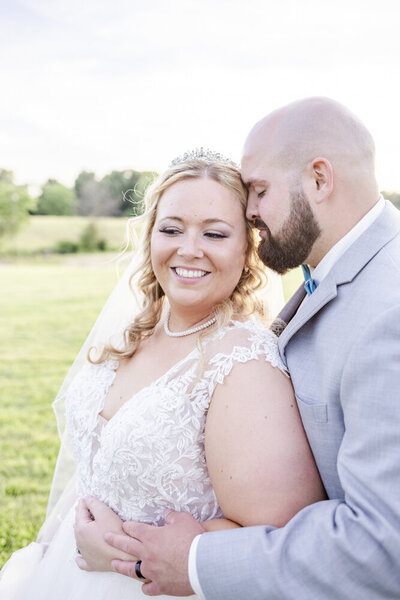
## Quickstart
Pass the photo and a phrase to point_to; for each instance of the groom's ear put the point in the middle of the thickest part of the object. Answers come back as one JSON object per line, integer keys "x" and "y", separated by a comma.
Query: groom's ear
{"x": 319, "y": 175}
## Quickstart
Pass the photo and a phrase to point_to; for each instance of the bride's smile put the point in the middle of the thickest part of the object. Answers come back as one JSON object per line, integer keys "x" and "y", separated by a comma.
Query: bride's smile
{"x": 189, "y": 275}
{"x": 198, "y": 245}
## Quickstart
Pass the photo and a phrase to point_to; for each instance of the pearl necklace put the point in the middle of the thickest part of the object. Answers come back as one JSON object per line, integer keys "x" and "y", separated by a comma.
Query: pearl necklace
{"x": 188, "y": 331}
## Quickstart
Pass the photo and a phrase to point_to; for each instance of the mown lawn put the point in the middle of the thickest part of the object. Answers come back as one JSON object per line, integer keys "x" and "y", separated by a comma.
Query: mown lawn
{"x": 46, "y": 310}
{"x": 42, "y": 232}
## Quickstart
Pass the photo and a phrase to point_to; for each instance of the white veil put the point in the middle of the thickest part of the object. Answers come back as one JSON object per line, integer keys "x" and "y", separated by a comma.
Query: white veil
{"x": 119, "y": 310}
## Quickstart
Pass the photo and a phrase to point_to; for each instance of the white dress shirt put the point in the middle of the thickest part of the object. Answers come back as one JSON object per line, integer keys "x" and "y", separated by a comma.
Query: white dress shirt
{"x": 325, "y": 265}
{"x": 318, "y": 273}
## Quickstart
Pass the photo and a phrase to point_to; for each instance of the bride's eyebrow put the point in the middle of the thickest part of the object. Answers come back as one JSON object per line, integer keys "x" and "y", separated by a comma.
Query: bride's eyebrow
{"x": 213, "y": 220}
{"x": 209, "y": 221}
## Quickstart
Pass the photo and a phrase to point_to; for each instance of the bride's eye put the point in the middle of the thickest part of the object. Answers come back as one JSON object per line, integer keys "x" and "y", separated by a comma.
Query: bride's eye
{"x": 169, "y": 230}
{"x": 260, "y": 194}
{"x": 215, "y": 235}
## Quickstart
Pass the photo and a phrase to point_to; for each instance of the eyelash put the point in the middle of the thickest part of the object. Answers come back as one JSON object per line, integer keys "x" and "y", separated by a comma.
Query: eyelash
{"x": 261, "y": 194}
{"x": 169, "y": 230}
{"x": 216, "y": 236}
{"x": 211, "y": 234}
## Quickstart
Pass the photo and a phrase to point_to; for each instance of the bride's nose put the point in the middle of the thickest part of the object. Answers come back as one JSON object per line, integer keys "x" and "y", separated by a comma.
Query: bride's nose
{"x": 190, "y": 247}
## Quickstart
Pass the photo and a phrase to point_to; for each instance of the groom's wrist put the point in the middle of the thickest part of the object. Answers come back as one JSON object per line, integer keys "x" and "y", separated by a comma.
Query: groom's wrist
{"x": 192, "y": 569}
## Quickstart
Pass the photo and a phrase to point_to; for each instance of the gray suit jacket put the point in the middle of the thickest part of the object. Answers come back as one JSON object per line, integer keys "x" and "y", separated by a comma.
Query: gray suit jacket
{"x": 343, "y": 351}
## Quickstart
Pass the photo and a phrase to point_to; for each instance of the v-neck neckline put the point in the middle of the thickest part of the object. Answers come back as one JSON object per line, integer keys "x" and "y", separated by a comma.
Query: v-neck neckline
{"x": 144, "y": 388}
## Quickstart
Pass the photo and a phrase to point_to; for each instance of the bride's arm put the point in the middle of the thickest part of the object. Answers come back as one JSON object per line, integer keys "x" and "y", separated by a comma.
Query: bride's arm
{"x": 218, "y": 524}
{"x": 260, "y": 465}
{"x": 258, "y": 457}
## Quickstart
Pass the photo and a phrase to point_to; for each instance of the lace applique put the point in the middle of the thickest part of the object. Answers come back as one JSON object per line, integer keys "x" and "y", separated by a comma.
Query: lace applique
{"x": 150, "y": 456}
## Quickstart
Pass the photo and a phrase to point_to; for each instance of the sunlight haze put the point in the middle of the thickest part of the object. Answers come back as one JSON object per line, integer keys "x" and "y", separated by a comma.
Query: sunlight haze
{"x": 101, "y": 85}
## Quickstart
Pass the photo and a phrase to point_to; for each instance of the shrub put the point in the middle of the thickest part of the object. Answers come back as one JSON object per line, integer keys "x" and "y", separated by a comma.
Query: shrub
{"x": 90, "y": 241}
{"x": 66, "y": 247}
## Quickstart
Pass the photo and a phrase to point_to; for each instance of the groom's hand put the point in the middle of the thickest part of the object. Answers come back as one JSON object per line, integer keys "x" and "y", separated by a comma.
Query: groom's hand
{"x": 93, "y": 519}
{"x": 163, "y": 551}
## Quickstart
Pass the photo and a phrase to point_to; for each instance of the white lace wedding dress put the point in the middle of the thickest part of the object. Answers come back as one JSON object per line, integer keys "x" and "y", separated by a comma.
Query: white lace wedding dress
{"x": 149, "y": 457}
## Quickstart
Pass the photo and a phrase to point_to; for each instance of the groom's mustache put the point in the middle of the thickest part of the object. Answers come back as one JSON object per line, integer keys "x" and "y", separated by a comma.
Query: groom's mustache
{"x": 259, "y": 224}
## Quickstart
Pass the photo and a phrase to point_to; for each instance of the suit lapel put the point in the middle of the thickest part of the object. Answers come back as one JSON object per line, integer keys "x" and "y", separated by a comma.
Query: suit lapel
{"x": 313, "y": 304}
{"x": 384, "y": 229}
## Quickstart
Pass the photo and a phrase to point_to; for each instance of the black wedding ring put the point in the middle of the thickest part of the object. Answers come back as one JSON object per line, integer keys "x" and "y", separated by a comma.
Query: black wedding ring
{"x": 138, "y": 572}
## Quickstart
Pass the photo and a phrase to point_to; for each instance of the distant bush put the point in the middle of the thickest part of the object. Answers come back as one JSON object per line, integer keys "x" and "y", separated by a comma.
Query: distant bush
{"x": 90, "y": 240}
{"x": 66, "y": 247}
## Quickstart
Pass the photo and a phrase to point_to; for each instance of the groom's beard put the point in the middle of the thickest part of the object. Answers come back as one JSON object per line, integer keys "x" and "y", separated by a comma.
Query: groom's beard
{"x": 290, "y": 247}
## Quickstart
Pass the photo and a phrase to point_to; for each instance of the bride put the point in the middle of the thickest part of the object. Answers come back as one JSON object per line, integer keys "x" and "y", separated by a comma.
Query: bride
{"x": 187, "y": 405}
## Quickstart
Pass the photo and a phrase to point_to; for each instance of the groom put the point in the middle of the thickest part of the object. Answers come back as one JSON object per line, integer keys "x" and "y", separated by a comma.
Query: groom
{"x": 309, "y": 169}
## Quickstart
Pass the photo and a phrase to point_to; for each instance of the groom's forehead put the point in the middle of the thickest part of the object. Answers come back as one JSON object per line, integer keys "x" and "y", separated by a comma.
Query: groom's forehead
{"x": 257, "y": 160}
{"x": 260, "y": 165}
{"x": 255, "y": 169}
{"x": 254, "y": 182}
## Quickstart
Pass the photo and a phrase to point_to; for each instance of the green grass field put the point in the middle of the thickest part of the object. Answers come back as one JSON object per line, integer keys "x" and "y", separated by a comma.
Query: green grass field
{"x": 47, "y": 308}
{"x": 42, "y": 233}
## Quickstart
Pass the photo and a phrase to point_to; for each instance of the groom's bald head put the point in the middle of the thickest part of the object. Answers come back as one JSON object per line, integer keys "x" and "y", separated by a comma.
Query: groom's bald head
{"x": 310, "y": 171}
{"x": 303, "y": 130}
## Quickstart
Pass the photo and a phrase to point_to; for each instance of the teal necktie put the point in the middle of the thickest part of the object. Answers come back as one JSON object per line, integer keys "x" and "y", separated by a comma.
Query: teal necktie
{"x": 310, "y": 284}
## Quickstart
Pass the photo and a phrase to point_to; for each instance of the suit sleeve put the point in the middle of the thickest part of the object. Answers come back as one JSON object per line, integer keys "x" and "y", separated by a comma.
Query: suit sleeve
{"x": 336, "y": 548}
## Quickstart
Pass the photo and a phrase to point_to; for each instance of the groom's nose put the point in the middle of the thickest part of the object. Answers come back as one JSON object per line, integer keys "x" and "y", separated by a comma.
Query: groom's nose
{"x": 252, "y": 207}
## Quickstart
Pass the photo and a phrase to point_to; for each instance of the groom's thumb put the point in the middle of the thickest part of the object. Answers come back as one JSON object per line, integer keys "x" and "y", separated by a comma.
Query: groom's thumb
{"x": 170, "y": 516}
{"x": 173, "y": 517}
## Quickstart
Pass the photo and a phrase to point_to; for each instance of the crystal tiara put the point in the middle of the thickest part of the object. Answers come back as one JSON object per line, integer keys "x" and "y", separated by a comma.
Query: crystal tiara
{"x": 204, "y": 153}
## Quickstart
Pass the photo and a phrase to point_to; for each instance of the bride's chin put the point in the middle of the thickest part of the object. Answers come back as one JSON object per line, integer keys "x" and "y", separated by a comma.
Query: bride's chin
{"x": 189, "y": 309}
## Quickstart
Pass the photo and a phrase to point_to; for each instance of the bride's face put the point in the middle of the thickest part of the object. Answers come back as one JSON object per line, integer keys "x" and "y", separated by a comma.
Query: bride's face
{"x": 198, "y": 243}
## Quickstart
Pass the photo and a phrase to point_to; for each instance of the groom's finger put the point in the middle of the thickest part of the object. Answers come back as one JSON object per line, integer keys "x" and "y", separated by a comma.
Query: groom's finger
{"x": 125, "y": 567}
{"x": 151, "y": 589}
{"x": 125, "y": 543}
{"x": 137, "y": 530}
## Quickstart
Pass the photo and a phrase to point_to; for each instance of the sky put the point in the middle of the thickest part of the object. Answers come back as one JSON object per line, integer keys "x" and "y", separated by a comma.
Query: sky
{"x": 122, "y": 84}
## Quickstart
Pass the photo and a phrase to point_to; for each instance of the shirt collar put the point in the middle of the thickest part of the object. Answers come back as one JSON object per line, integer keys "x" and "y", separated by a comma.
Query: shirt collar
{"x": 331, "y": 257}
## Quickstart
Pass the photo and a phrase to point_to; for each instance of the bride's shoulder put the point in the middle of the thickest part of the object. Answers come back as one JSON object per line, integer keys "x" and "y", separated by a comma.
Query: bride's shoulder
{"x": 246, "y": 330}
{"x": 242, "y": 341}
{"x": 246, "y": 333}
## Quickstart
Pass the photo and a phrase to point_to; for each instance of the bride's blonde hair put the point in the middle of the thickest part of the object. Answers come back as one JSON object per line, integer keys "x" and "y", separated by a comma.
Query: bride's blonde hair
{"x": 243, "y": 301}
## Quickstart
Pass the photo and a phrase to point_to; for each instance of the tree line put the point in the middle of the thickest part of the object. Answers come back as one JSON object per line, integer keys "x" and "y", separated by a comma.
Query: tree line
{"x": 117, "y": 194}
